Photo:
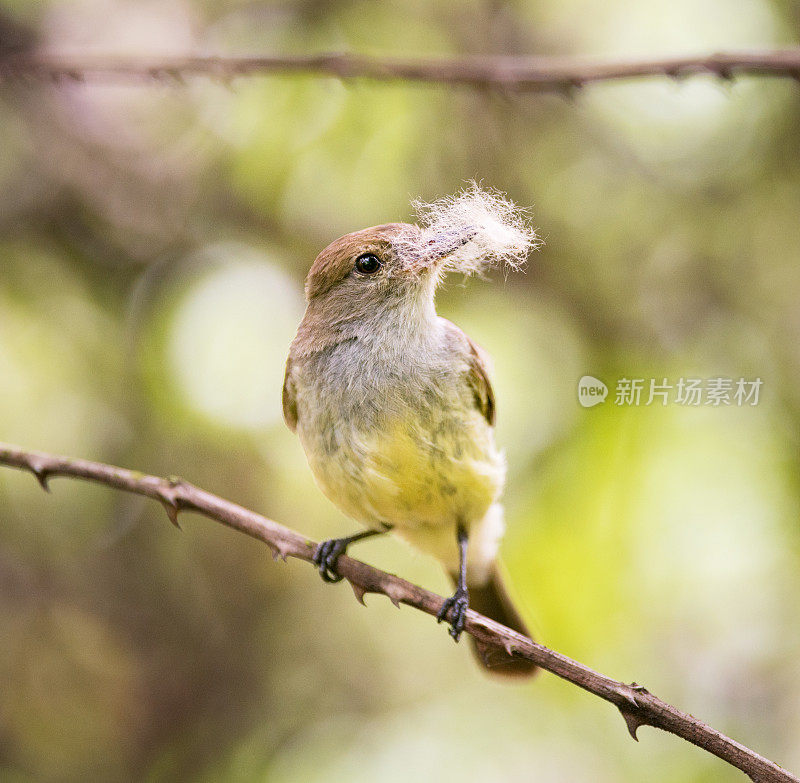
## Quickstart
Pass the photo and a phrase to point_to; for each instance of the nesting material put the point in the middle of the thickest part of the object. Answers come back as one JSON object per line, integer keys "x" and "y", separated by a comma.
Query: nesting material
{"x": 485, "y": 228}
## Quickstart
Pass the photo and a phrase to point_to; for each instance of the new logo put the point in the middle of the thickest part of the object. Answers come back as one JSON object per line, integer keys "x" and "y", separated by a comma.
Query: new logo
{"x": 591, "y": 391}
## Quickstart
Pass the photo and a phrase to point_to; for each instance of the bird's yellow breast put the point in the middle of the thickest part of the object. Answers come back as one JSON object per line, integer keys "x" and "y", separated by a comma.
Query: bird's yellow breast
{"x": 412, "y": 471}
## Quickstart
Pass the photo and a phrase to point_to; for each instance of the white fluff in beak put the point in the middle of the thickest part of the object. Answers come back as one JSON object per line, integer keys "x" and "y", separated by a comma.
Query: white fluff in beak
{"x": 493, "y": 231}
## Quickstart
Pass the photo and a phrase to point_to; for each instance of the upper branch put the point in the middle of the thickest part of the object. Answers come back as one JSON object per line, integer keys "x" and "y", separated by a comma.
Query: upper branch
{"x": 521, "y": 74}
{"x": 638, "y": 706}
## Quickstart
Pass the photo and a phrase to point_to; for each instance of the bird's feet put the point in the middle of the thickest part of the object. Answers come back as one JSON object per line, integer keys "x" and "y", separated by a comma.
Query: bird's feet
{"x": 328, "y": 552}
{"x": 459, "y": 603}
{"x": 326, "y": 555}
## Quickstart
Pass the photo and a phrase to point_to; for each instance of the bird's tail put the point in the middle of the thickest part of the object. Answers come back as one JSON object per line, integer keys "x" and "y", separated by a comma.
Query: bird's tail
{"x": 492, "y": 600}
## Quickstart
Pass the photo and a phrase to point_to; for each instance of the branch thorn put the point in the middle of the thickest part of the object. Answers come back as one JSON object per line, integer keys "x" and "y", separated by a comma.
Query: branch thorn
{"x": 360, "y": 592}
{"x": 169, "y": 500}
{"x": 633, "y": 721}
{"x": 171, "y": 507}
{"x": 393, "y": 594}
{"x": 41, "y": 472}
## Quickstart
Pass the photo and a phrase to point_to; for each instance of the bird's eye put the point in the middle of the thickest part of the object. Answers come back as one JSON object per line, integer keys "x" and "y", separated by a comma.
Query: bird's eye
{"x": 368, "y": 264}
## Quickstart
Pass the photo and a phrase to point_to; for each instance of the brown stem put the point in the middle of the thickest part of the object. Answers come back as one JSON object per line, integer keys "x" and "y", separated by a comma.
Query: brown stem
{"x": 521, "y": 74}
{"x": 638, "y": 706}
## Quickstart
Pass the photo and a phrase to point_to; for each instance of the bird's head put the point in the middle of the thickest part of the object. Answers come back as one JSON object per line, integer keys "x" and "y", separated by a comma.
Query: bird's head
{"x": 380, "y": 264}
{"x": 389, "y": 273}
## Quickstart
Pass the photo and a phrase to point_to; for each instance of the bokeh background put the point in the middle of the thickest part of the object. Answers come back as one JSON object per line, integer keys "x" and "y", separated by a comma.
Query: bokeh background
{"x": 153, "y": 244}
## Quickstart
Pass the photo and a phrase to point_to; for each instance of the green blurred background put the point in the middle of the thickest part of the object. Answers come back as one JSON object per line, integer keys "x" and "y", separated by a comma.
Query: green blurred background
{"x": 153, "y": 244}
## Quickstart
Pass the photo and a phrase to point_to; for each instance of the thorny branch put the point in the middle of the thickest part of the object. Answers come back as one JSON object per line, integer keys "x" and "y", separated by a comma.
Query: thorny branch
{"x": 637, "y": 705}
{"x": 509, "y": 74}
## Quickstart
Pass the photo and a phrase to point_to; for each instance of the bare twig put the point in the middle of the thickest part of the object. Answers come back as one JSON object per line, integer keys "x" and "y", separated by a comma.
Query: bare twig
{"x": 521, "y": 74}
{"x": 637, "y": 705}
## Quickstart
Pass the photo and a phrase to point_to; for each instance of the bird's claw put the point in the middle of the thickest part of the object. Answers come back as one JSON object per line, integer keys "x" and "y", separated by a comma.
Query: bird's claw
{"x": 458, "y": 603}
{"x": 326, "y": 555}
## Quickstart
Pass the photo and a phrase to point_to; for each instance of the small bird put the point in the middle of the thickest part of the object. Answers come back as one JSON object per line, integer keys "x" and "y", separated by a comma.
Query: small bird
{"x": 393, "y": 403}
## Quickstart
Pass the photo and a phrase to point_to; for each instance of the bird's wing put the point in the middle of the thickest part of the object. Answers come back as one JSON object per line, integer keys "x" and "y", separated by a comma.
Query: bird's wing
{"x": 289, "y": 397}
{"x": 477, "y": 373}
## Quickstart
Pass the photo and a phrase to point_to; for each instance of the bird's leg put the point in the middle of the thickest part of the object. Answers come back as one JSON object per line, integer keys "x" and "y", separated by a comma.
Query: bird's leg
{"x": 328, "y": 552}
{"x": 459, "y": 603}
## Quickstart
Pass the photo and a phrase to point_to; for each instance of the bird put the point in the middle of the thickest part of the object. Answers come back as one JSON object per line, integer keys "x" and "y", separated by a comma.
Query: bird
{"x": 393, "y": 404}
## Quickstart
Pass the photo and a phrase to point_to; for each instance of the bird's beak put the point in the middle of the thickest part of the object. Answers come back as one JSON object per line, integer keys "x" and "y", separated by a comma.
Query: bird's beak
{"x": 440, "y": 247}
